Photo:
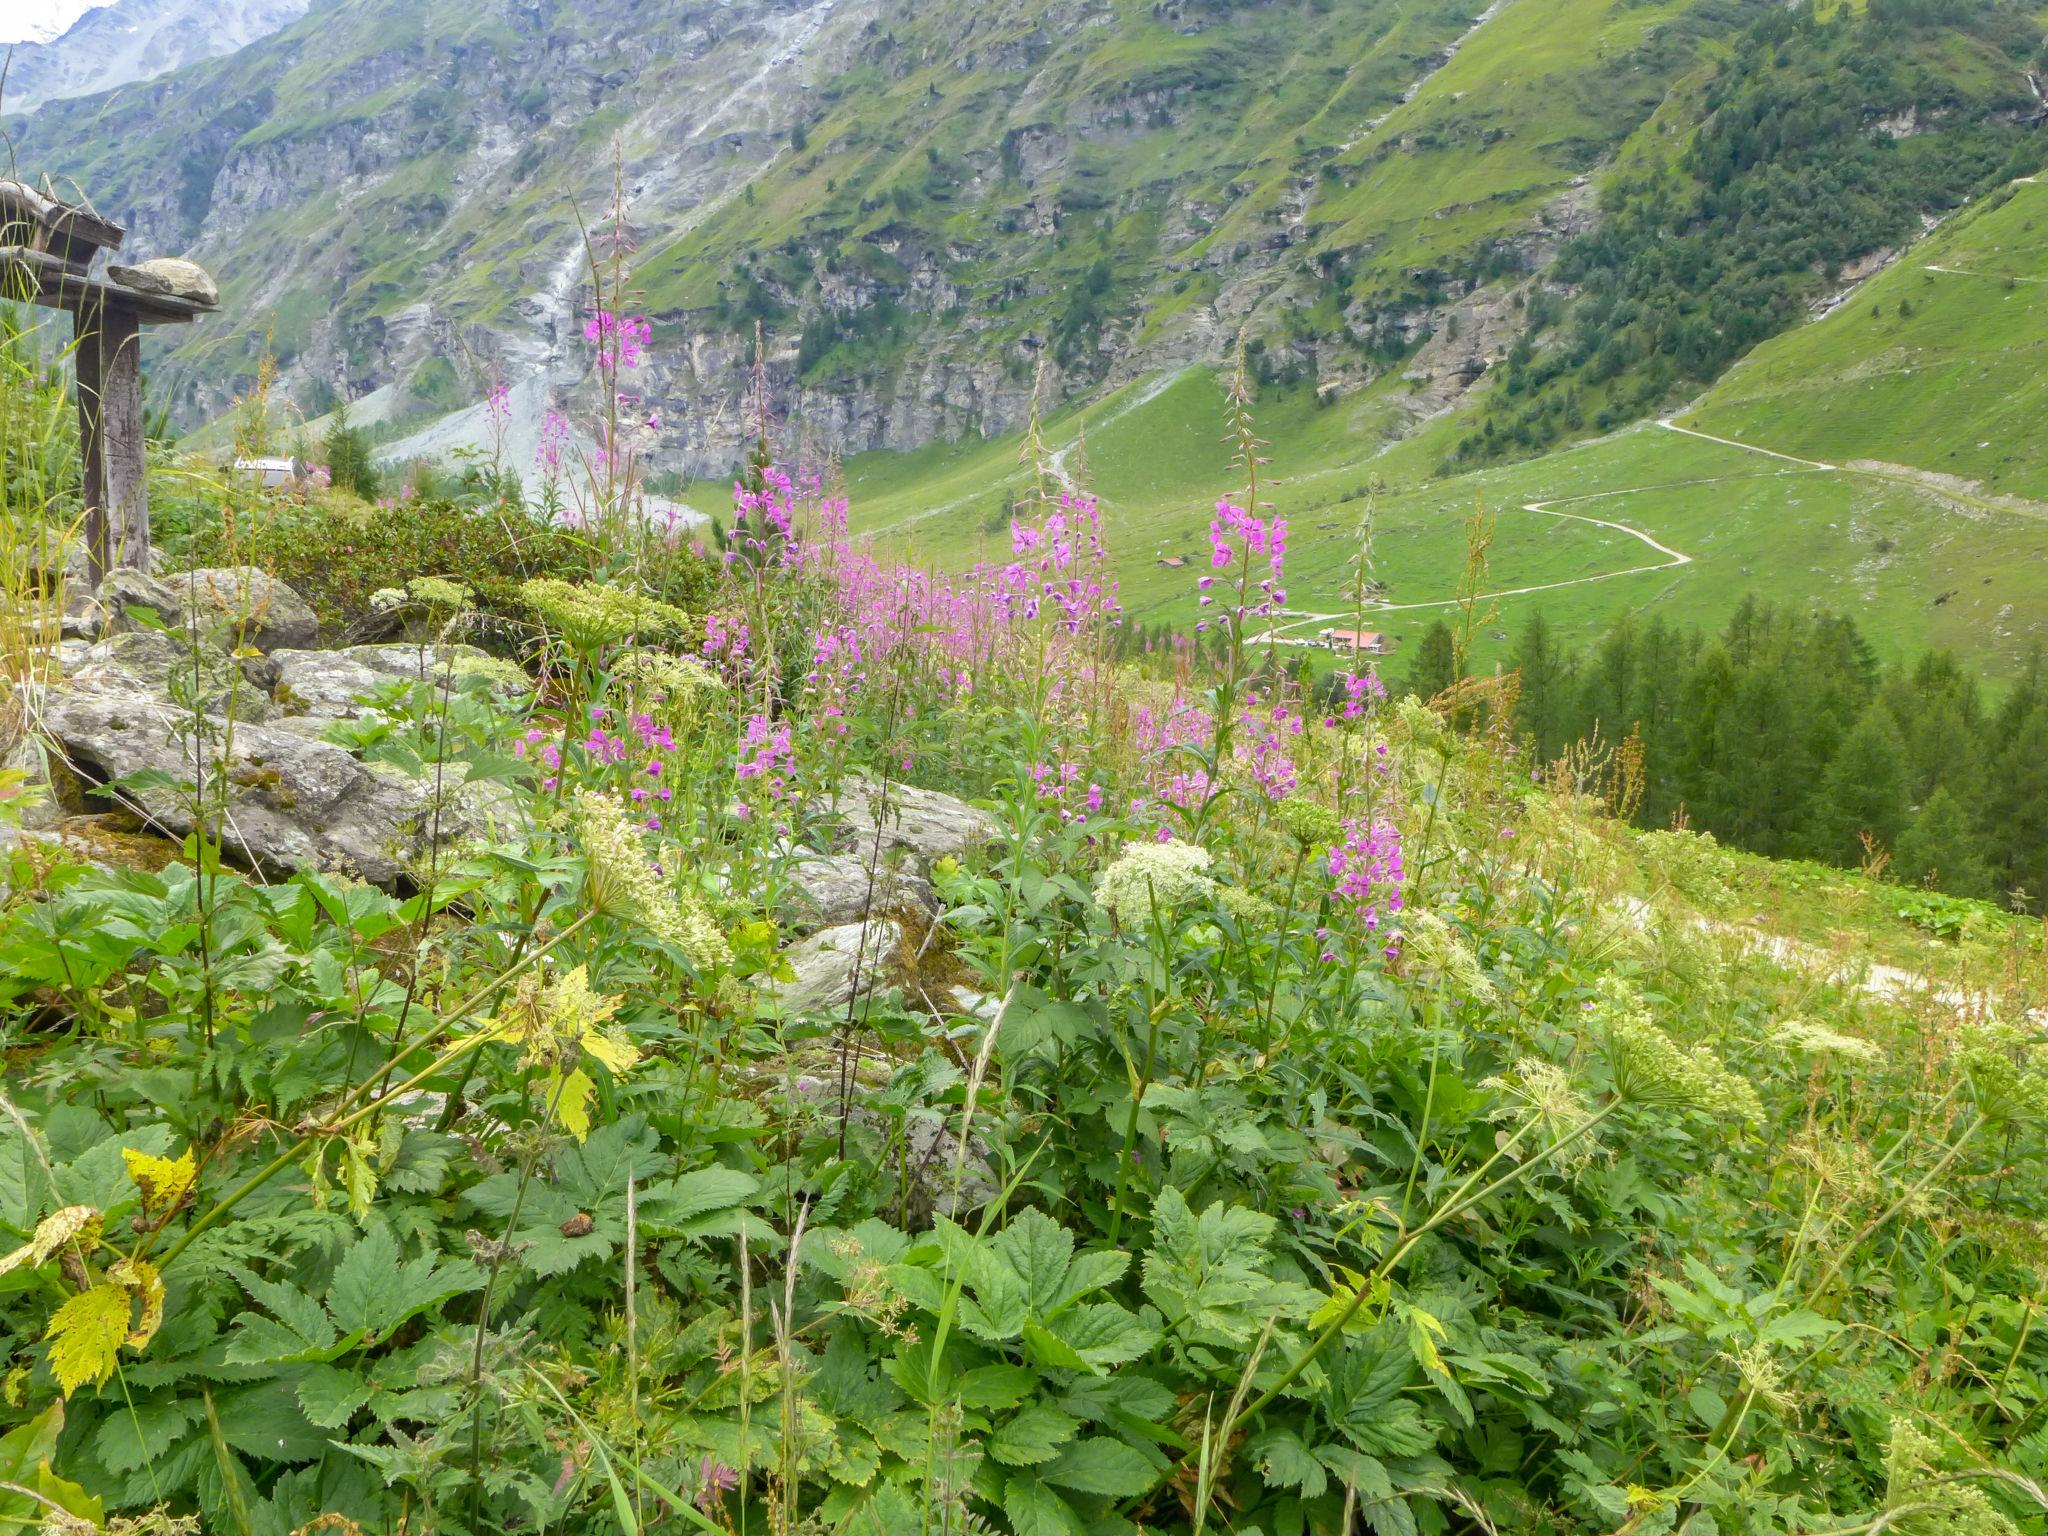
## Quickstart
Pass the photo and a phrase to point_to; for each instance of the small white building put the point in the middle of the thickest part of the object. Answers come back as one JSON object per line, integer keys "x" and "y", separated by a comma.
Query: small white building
{"x": 272, "y": 471}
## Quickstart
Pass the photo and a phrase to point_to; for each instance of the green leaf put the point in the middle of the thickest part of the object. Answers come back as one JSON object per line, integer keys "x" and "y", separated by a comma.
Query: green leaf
{"x": 329, "y": 1395}
{"x": 129, "y": 1438}
{"x": 25, "y": 1453}
{"x": 266, "y": 1422}
{"x": 1036, "y": 1248}
{"x": 1105, "y": 1334}
{"x": 1034, "y": 1435}
{"x": 1102, "y": 1466}
{"x": 1035, "y": 1510}
{"x": 996, "y": 1387}
{"x": 1285, "y": 1462}
{"x": 373, "y": 1292}
{"x": 1053, "y": 1352}
{"x": 676, "y": 1201}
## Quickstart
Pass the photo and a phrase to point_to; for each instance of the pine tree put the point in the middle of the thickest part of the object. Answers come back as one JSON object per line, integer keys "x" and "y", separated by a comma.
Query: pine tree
{"x": 1940, "y": 848}
{"x": 1435, "y": 667}
{"x": 1863, "y": 791}
{"x": 1542, "y": 704}
{"x": 348, "y": 456}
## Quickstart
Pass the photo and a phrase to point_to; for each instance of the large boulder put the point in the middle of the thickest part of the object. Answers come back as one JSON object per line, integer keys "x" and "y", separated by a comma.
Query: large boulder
{"x": 836, "y": 966}
{"x": 158, "y": 664}
{"x": 827, "y": 890}
{"x": 331, "y": 685}
{"x": 925, "y": 823}
{"x": 290, "y": 803}
{"x": 251, "y": 607}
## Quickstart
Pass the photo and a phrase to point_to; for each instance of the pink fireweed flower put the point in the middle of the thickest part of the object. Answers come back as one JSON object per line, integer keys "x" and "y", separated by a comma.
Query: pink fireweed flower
{"x": 1366, "y": 871}
{"x": 767, "y": 758}
{"x": 619, "y": 338}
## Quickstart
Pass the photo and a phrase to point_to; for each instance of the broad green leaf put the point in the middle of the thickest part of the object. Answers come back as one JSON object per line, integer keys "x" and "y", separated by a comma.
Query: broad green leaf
{"x": 1285, "y": 1462}
{"x": 129, "y": 1438}
{"x": 1033, "y": 1435}
{"x": 329, "y": 1395}
{"x": 1035, "y": 1510}
{"x": 1037, "y": 1249}
{"x": 25, "y": 1455}
{"x": 1103, "y": 1466}
{"x": 1103, "y": 1333}
{"x": 266, "y": 1422}
{"x": 373, "y": 1292}
{"x": 995, "y": 1387}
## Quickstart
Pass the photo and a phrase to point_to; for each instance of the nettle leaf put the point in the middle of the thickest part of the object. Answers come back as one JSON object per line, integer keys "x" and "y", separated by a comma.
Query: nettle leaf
{"x": 265, "y": 1421}
{"x": 329, "y": 1396}
{"x": 1088, "y": 1273}
{"x": 373, "y": 1293}
{"x": 999, "y": 1306}
{"x": 1104, "y": 1333}
{"x": 1034, "y": 1435}
{"x": 130, "y": 1437}
{"x": 1101, "y": 1466}
{"x": 1035, "y": 1510}
{"x": 675, "y": 1204}
{"x": 1036, "y": 1250}
{"x": 1284, "y": 1462}
{"x": 1207, "y": 1273}
{"x": 423, "y": 1161}
{"x": 299, "y": 1314}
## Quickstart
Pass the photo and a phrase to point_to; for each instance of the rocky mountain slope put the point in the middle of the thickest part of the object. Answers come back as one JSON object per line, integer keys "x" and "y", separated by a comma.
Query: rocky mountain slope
{"x": 129, "y": 40}
{"x": 924, "y": 205}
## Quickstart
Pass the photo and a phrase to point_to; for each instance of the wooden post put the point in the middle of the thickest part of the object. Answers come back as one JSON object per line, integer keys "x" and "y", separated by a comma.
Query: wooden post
{"x": 110, "y": 435}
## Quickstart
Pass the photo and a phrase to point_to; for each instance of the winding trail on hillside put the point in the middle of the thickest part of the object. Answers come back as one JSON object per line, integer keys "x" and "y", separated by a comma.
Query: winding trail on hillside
{"x": 1996, "y": 277}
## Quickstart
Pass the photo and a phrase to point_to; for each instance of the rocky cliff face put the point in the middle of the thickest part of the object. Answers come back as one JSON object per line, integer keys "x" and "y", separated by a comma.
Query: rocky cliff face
{"x": 922, "y": 205}
{"x": 130, "y": 40}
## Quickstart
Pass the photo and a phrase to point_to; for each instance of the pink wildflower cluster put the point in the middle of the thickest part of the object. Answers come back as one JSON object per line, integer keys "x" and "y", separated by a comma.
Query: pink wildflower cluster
{"x": 619, "y": 338}
{"x": 767, "y": 760}
{"x": 1236, "y": 536}
{"x": 498, "y": 406}
{"x": 1366, "y": 871}
{"x": 644, "y": 744}
{"x": 1262, "y": 744}
{"x": 838, "y": 672}
{"x": 1060, "y": 785}
{"x": 1362, "y": 690}
{"x": 1059, "y": 566}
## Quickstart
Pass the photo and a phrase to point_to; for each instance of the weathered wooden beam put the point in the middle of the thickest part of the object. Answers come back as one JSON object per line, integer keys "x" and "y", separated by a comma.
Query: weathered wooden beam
{"x": 108, "y": 357}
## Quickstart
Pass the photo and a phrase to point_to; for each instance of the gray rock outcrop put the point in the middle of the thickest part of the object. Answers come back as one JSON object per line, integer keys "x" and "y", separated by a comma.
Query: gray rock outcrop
{"x": 924, "y": 823}
{"x": 288, "y": 802}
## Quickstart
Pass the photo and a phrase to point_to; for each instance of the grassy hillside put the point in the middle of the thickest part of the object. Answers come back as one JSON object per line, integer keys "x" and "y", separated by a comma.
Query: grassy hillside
{"x": 1939, "y": 363}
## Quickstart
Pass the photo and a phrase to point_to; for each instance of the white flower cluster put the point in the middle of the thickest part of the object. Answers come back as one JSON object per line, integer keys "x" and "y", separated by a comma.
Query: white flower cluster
{"x": 1145, "y": 875}
{"x": 624, "y": 883}
{"x": 1818, "y": 1040}
{"x": 1652, "y": 1068}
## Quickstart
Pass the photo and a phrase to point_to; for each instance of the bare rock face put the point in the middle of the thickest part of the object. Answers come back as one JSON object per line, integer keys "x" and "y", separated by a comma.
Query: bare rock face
{"x": 832, "y": 889}
{"x": 157, "y": 665}
{"x": 291, "y": 803}
{"x": 836, "y": 967}
{"x": 924, "y": 823}
{"x": 172, "y": 276}
{"x": 331, "y": 685}
{"x": 255, "y": 608}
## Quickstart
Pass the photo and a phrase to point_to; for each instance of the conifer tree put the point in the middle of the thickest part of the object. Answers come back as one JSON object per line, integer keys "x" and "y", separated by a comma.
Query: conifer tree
{"x": 1542, "y": 707}
{"x": 1940, "y": 848}
{"x": 1435, "y": 667}
{"x": 1863, "y": 791}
